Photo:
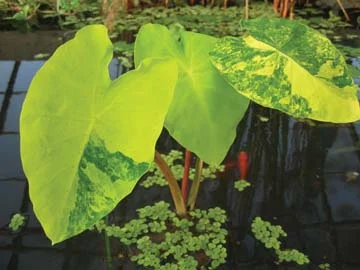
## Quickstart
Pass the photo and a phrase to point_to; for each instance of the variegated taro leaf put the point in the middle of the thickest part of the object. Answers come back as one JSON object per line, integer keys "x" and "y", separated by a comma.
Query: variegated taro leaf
{"x": 289, "y": 67}
{"x": 86, "y": 140}
{"x": 205, "y": 109}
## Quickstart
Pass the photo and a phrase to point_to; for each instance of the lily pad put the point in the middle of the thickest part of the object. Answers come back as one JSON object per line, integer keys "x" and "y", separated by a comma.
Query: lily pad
{"x": 290, "y": 67}
{"x": 205, "y": 110}
{"x": 86, "y": 140}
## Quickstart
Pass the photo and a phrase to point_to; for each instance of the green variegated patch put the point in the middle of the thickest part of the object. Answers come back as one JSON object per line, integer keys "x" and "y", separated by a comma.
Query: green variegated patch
{"x": 205, "y": 110}
{"x": 86, "y": 140}
{"x": 290, "y": 67}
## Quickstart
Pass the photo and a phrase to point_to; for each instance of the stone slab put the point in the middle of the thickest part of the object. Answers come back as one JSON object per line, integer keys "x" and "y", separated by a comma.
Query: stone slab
{"x": 11, "y": 196}
{"x": 343, "y": 197}
{"x": 10, "y": 162}
{"x": 13, "y": 113}
{"x": 26, "y": 72}
{"x": 6, "y": 68}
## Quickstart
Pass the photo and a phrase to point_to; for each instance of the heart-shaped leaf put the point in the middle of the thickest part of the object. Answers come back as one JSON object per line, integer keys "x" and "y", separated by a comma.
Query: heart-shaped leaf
{"x": 290, "y": 67}
{"x": 86, "y": 140}
{"x": 205, "y": 109}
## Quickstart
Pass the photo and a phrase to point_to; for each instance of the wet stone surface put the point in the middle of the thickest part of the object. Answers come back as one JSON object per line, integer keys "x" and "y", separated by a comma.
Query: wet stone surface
{"x": 5, "y": 258}
{"x": 6, "y": 68}
{"x": 26, "y": 72}
{"x": 318, "y": 243}
{"x": 348, "y": 243}
{"x": 11, "y": 196}
{"x": 342, "y": 157}
{"x": 343, "y": 196}
{"x": 10, "y": 157}
{"x": 13, "y": 113}
{"x": 39, "y": 260}
{"x": 302, "y": 177}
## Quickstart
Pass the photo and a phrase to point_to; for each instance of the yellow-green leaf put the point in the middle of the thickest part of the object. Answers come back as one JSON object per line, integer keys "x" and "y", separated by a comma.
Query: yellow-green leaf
{"x": 205, "y": 110}
{"x": 290, "y": 67}
{"x": 86, "y": 140}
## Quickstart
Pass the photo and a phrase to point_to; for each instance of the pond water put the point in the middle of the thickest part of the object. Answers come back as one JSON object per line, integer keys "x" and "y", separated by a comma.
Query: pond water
{"x": 301, "y": 175}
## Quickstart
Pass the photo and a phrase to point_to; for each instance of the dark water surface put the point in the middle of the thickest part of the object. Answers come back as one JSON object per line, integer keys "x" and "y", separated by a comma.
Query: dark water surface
{"x": 300, "y": 175}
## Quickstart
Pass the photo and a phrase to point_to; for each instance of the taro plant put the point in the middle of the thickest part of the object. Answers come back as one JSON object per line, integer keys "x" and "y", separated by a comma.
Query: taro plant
{"x": 87, "y": 140}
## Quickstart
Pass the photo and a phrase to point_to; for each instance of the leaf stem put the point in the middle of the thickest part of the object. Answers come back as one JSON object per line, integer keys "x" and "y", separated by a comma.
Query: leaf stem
{"x": 196, "y": 184}
{"x": 292, "y": 4}
{"x": 276, "y": 5}
{"x": 285, "y": 9}
{"x": 246, "y": 9}
{"x": 173, "y": 184}
{"x": 107, "y": 248}
{"x": 343, "y": 10}
{"x": 185, "y": 179}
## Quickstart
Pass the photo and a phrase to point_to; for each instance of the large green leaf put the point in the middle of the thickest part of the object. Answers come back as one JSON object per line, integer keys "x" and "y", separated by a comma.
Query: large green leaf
{"x": 290, "y": 67}
{"x": 86, "y": 140}
{"x": 205, "y": 110}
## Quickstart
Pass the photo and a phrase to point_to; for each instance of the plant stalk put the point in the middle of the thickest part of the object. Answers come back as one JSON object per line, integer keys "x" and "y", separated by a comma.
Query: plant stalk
{"x": 173, "y": 185}
{"x": 107, "y": 248}
{"x": 185, "y": 179}
{"x": 246, "y": 9}
{"x": 281, "y": 7}
{"x": 343, "y": 10}
{"x": 292, "y": 5}
{"x": 276, "y": 5}
{"x": 285, "y": 9}
{"x": 195, "y": 185}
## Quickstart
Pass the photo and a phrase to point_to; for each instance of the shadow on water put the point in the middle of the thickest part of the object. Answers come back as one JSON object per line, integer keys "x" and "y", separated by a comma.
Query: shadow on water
{"x": 303, "y": 176}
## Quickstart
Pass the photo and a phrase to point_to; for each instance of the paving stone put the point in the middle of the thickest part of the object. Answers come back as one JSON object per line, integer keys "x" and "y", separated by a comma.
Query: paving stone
{"x": 83, "y": 261}
{"x": 5, "y": 257}
{"x": 33, "y": 221}
{"x": 13, "y": 113}
{"x": 357, "y": 128}
{"x": 37, "y": 240}
{"x": 242, "y": 247}
{"x": 313, "y": 210}
{"x": 342, "y": 157}
{"x": 318, "y": 244}
{"x": 343, "y": 197}
{"x": 252, "y": 266}
{"x": 5, "y": 241}
{"x": 114, "y": 68}
{"x": 25, "y": 74}
{"x": 350, "y": 267}
{"x": 1, "y": 99}
{"x": 10, "y": 162}
{"x": 40, "y": 260}
{"x": 315, "y": 266}
{"x": 11, "y": 196}
{"x": 6, "y": 68}
{"x": 348, "y": 244}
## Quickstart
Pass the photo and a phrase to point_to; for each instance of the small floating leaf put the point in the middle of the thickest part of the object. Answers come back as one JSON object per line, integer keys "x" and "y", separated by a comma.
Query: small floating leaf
{"x": 86, "y": 140}
{"x": 263, "y": 118}
{"x": 241, "y": 184}
{"x": 41, "y": 55}
{"x": 289, "y": 67}
{"x": 16, "y": 222}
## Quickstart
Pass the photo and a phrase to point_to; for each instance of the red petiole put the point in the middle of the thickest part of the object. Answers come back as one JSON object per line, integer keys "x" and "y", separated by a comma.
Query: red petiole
{"x": 185, "y": 179}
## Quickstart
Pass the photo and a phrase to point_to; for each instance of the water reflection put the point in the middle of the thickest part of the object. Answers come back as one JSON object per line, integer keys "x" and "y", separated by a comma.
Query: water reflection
{"x": 297, "y": 171}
